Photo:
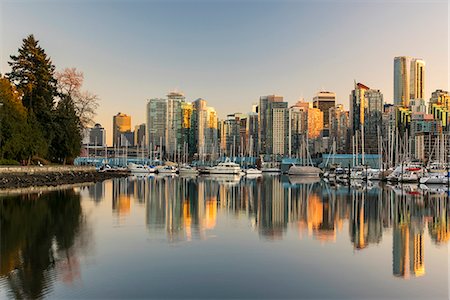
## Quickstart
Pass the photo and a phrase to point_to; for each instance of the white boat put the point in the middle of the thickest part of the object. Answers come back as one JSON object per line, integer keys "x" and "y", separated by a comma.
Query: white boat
{"x": 226, "y": 168}
{"x": 435, "y": 178}
{"x": 253, "y": 171}
{"x": 188, "y": 170}
{"x": 307, "y": 171}
{"x": 137, "y": 168}
{"x": 167, "y": 170}
{"x": 270, "y": 170}
{"x": 406, "y": 173}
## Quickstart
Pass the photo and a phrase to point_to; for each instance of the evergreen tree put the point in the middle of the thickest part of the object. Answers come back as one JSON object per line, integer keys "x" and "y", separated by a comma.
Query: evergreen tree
{"x": 66, "y": 144}
{"x": 32, "y": 72}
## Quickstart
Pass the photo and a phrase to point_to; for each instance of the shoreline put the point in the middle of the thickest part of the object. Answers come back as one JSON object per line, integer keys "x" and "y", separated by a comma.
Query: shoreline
{"x": 51, "y": 176}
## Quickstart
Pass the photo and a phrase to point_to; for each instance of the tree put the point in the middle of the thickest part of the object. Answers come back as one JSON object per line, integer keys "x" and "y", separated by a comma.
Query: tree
{"x": 70, "y": 82}
{"x": 66, "y": 144}
{"x": 32, "y": 72}
{"x": 18, "y": 138}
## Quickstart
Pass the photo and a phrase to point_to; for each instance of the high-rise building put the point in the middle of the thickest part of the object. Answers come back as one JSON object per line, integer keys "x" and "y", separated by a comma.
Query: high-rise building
{"x": 279, "y": 142}
{"x": 252, "y": 133}
{"x": 121, "y": 125}
{"x": 366, "y": 113}
{"x": 140, "y": 135}
{"x": 298, "y": 119}
{"x": 315, "y": 122}
{"x": 339, "y": 123}
{"x": 174, "y": 122}
{"x": 325, "y": 100}
{"x": 156, "y": 124}
{"x": 265, "y": 133}
{"x": 97, "y": 135}
{"x": 204, "y": 125}
{"x": 409, "y": 80}
{"x": 439, "y": 107}
{"x": 232, "y": 139}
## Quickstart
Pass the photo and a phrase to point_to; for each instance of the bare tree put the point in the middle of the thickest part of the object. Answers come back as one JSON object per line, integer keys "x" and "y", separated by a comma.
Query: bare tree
{"x": 70, "y": 82}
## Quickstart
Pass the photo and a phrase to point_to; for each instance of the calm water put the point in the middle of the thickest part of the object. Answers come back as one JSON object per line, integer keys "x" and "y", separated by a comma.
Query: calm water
{"x": 271, "y": 237}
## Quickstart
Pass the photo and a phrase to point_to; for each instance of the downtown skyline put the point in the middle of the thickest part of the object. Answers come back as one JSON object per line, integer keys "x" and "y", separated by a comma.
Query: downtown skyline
{"x": 228, "y": 53}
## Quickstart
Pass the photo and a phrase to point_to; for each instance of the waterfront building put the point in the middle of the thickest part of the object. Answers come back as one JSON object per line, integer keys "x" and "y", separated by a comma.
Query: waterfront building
{"x": 121, "y": 125}
{"x": 325, "y": 100}
{"x": 156, "y": 124}
{"x": 265, "y": 132}
{"x": 439, "y": 107}
{"x": 409, "y": 80}
{"x": 339, "y": 124}
{"x": 425, "y": 132}
{"x": 315, "y": 122}
{"x": 140, "y": 135}
{"x": 279, "y": 141}
{"x": 97, "y": 135}
{"x": 298, "y": 119}
{"x": 366, "y": 110}
{"x": 174, "y": 141}
{"x": 187, "y": 142}
{"x": 232, "y": 138}
{"x": 252, "y": 133}
{"x": 205, "y": 129}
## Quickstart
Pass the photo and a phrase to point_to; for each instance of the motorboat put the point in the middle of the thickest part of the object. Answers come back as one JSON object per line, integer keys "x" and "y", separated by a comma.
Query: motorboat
{"x": 406, "y": 173}
{"x": 226, "y": 168}
{"x": 137, "y": 168}
{"x": 253, "y": 171}
{"x": 435, "y": 178}
{"x": 270, "y": 170}
{"x": 167, "y": 170}
{"x": 307, "y": 171}
{"x": 187, "y": 170}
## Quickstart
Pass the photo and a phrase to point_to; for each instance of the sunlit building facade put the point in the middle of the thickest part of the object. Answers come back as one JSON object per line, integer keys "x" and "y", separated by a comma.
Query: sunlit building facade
{"x": 121, "y": 125}
{"x": 325, "y": 100}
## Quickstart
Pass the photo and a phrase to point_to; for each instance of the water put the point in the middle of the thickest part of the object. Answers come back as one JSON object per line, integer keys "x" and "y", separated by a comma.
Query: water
{"x": 270, "y": 237}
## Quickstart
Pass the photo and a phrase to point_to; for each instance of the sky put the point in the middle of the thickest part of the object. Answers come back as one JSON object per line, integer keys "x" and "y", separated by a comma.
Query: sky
{"x": 229, "y": 52}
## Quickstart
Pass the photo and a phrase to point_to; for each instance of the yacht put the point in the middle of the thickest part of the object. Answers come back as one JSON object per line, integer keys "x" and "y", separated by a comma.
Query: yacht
{"x": 226, "y": 168}
{"x": 307, "y": 171}
{"x": 188, "y": 170}
{"x": 137, "y": 168}
{"x": 167, "y": 170}
{"x": 253, "y": 171}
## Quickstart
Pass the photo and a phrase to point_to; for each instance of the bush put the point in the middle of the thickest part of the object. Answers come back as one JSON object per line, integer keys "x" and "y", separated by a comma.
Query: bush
{"x": 9, "y": 162}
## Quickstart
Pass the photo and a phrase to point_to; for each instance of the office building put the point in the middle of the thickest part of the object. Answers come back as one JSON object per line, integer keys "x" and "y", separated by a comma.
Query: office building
{"x": 173, "y": 135}
{"x": 140, "y": 135}
{"x": 121, "y": 125}
{"x": 324, "y": 100}
{"x": 409, "y": 80}
{"x": 156, "y": 124}
{"x": 97, "y": 135}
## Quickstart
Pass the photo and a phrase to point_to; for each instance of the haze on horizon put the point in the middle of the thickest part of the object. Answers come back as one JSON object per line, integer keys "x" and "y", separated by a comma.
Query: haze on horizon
{"x": 229, "y": 52}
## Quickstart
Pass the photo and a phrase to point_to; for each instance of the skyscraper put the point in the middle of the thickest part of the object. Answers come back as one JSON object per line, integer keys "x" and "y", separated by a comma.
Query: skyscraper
{"x": 409, "y": 80}
{"x": 174, "y": 122}
{"x": 204, "y": 128}
{"x": 339, "y": 123}
{"x": 366, "y": 113}
{"x": 156, "y": 124}
{"x": 121, "y": 125}
{"x": 265, "y": 121}
{"x": 325, "y": 100}
{"x": 140, "y": 135}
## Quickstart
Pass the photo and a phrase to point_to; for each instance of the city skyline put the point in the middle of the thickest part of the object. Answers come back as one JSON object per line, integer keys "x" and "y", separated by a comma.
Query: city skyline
{"x": 228, "y": 52}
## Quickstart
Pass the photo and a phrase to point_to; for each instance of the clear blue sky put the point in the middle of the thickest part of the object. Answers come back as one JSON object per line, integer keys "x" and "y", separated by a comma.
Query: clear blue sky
{"x": 229, "y": 52}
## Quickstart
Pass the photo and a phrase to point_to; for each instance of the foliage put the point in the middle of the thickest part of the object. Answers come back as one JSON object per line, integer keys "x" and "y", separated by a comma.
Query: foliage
{"x": 70, "y": 82}
{"x": 9, "y": 162}
{"x": 43, "y": 112}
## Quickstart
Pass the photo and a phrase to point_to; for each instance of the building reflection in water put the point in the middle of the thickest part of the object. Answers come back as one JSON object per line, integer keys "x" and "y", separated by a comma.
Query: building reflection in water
{"x": 186, "y": 208}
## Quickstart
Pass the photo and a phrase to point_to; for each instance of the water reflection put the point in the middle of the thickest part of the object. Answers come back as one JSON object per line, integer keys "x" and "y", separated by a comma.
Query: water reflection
{"x": 44, "y": 236}
{"x": 186, "y": 208}
{"x": 41, "y": 235}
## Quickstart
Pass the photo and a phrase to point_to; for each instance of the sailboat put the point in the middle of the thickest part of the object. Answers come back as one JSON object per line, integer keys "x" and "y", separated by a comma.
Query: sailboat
{"x": 306, "y": 171}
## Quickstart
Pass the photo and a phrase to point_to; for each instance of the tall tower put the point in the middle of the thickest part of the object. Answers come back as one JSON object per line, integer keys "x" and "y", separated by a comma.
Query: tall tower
{"x": 324, "y": 100}
{"x": 121, "y": 124}
{"x": 409, "y": 80}
{"x": 174, "y": 122}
